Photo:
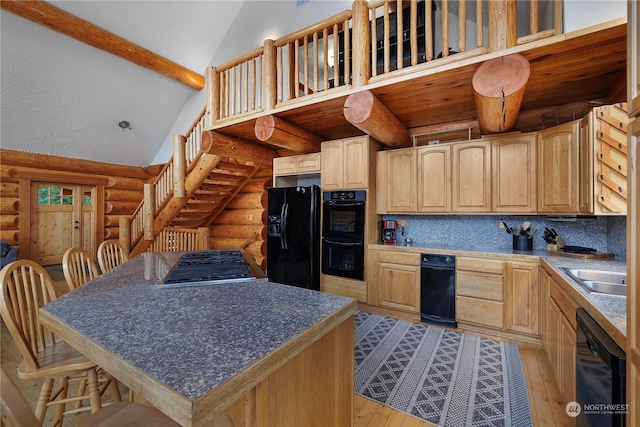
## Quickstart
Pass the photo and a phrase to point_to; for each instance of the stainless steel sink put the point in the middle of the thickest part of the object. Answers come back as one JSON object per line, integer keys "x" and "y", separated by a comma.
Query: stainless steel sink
{"x": 600, "y": 281}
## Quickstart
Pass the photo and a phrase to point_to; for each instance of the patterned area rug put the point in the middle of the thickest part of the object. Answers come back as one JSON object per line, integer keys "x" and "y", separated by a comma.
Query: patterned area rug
{"x": 439, "y": 375}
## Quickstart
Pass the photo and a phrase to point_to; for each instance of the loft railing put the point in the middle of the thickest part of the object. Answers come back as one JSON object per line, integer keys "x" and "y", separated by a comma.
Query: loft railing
{"x": 168, "y": 183}
{"x": 236, "y": 87}
{"x": 314, "y": 59}
{"x": 368, "y": 44}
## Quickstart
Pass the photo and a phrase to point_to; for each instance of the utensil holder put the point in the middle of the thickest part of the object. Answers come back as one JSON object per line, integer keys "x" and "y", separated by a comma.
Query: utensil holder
{"x": 522, "y": 243}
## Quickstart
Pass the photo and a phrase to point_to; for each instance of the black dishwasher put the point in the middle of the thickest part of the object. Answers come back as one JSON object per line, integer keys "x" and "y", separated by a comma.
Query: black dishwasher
{"x": 438, "y": 289}
{"x": 600, "y": 375}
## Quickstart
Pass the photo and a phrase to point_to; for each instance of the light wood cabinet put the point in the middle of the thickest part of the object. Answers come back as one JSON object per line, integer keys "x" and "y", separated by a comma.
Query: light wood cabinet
{"x": 396, "y": 282}
{"x": 397, "y": 183}
{"x": 480, "y": 292}
{"x": 586, "y": 163}
{"x": 471, "y": 176}
{"x": 351, "y": 288}
{"x": 434, "y": 178}
{"x": 514, "y": 170}
{"x": 345, "y": 163}
{"x": 292, "y": 171}
{"x": 559, "y": 335}
{"x": 304, "y": 163}
{"x": 558, "y": 169}
{"x": 522, "y": 294}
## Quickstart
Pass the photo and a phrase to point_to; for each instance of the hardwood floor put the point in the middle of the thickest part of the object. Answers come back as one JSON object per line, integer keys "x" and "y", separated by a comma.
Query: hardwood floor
{"x": 547, "y": 406}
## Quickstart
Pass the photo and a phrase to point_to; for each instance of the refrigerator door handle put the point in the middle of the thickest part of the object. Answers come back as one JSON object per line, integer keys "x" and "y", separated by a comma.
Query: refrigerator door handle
{"x": 283, "y": 221}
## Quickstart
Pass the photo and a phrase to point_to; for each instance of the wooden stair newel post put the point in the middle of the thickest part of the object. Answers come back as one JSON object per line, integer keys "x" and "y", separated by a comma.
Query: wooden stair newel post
{"x": 203, "y": 238}
{"x": 179, "y": 166}
{"x": 360, "y": 40}
{"x": 124, "y": 234}
{"x": 270, "y": 81}
{"x": 498, "y": 89}
{"x": 148, "y": 211}
{"x": 212, "y": 92}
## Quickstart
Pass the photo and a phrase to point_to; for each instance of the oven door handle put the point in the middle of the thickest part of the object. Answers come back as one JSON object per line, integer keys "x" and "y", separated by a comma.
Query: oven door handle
{"x": 345, "y": 204}
{"x": 333, "y": 242}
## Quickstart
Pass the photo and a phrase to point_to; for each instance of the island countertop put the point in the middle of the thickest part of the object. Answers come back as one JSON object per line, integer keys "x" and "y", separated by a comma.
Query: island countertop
{"x": 188, "y": 342}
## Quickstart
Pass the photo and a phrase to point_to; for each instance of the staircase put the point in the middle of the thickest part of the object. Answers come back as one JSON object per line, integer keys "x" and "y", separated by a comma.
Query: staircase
{"x": 190, "y": 192}
{"x": 219, "y": 187}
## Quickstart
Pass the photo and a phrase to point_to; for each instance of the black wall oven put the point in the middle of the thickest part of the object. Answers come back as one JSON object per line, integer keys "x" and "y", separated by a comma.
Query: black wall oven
{"x": 343, "y": 217}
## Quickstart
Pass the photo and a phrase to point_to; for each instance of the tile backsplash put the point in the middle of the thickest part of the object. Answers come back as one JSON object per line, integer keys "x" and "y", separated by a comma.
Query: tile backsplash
{"x": 603, "y": 233}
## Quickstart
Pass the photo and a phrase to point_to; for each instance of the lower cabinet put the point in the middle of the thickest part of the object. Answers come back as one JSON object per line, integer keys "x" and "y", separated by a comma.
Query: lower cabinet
{"x": 356, "y": 289}
{"x": 559, "y": 335}
{"x": 399, "y": 281}
{"x": 396, "y": 280}
{"x": 480, "y": 292}
{"x": 498, "y": 294}
{"x": 521, "y": 314}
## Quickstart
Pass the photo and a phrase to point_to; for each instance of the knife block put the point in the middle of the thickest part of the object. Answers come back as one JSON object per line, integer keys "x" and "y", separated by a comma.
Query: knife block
{"x": 522, "y": 243}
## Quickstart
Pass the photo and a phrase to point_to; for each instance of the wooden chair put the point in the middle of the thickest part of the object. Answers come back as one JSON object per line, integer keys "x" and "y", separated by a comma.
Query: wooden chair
{"x": 26, "y": 286}
{"x": 111, "y": 254}
{"x": 78, "y": 267}
{"x": 120, "y": 414}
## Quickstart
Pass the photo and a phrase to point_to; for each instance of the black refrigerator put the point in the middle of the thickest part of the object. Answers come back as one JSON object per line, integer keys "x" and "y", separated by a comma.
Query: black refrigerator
{"x": 293, "y": 236}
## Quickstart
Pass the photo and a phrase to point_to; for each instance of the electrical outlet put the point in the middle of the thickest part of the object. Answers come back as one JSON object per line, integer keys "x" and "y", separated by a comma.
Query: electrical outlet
{"x": 402, "y": 222}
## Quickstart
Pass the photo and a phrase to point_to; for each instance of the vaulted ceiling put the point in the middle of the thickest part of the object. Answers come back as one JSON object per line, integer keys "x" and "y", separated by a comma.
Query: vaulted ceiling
{"x": 63, "y": 97}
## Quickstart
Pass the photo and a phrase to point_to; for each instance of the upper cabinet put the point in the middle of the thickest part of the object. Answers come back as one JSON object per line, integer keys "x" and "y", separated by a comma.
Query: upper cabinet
{"x": 292, "y": 171}
{"x": 471, "y": 180}
{"x": 558, "y": 170}
{"x": 514, "y": 174}
{"x": 345, "y": 163}
{"x": 434, "y": 168}
{"x": 397, "y": 181}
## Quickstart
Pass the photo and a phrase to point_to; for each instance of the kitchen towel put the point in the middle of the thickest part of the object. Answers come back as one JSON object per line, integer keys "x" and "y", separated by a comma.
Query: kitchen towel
{"x": 439, "y": 375}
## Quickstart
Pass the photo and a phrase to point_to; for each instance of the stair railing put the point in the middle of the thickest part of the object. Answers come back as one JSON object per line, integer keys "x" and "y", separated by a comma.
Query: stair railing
{"x": 168, "y": 183}
{"x": 181, "y": 239}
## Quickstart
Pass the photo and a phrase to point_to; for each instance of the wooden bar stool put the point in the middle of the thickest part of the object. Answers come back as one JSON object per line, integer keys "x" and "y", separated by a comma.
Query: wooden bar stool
{"x": 78, "y": 267}
{"x": 111, "y": 254}
{"x": 26, "y": 286}
{"x": 121, "y": 414}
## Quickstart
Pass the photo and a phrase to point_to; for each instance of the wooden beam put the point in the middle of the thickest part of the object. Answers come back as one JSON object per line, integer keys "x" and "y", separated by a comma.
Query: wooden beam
{"x": 226, "y": 146}
{"x": 498, "y": 89}
{"x": 63, "y": 22}
{"x": 367, "y": 113}
{"x": 280, "y": 133}
{"x": 67, "y": 164}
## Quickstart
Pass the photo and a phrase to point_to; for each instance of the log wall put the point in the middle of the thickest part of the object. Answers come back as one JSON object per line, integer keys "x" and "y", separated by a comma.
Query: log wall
{"x": 246, "y": 214}
{"x": 123, "y": 191}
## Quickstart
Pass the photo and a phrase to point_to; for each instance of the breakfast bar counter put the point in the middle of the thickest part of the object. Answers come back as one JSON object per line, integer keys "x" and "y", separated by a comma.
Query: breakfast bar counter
{"x": 246, "y": 353}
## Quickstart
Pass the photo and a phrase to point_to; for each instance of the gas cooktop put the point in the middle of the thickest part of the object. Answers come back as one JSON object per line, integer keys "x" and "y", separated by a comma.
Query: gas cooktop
{"x": 209, "y": 267}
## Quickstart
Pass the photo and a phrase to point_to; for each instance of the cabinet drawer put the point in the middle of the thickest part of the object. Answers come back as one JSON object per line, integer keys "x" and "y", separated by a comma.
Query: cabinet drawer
{"x": 479, "y": 312}
{"x": 398, "y": 257}
{"x": 479, "y": 264}
{"x": 479, "y": 285}
{"x": 344, "y": 287}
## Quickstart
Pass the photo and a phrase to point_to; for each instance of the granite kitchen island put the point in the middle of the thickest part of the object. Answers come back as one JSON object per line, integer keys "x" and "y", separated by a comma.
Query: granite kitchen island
{"x": 251, "y": 353}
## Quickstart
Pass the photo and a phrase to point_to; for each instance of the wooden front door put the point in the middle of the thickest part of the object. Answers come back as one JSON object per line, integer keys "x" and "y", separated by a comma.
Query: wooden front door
{"x": 62, "y": 216}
